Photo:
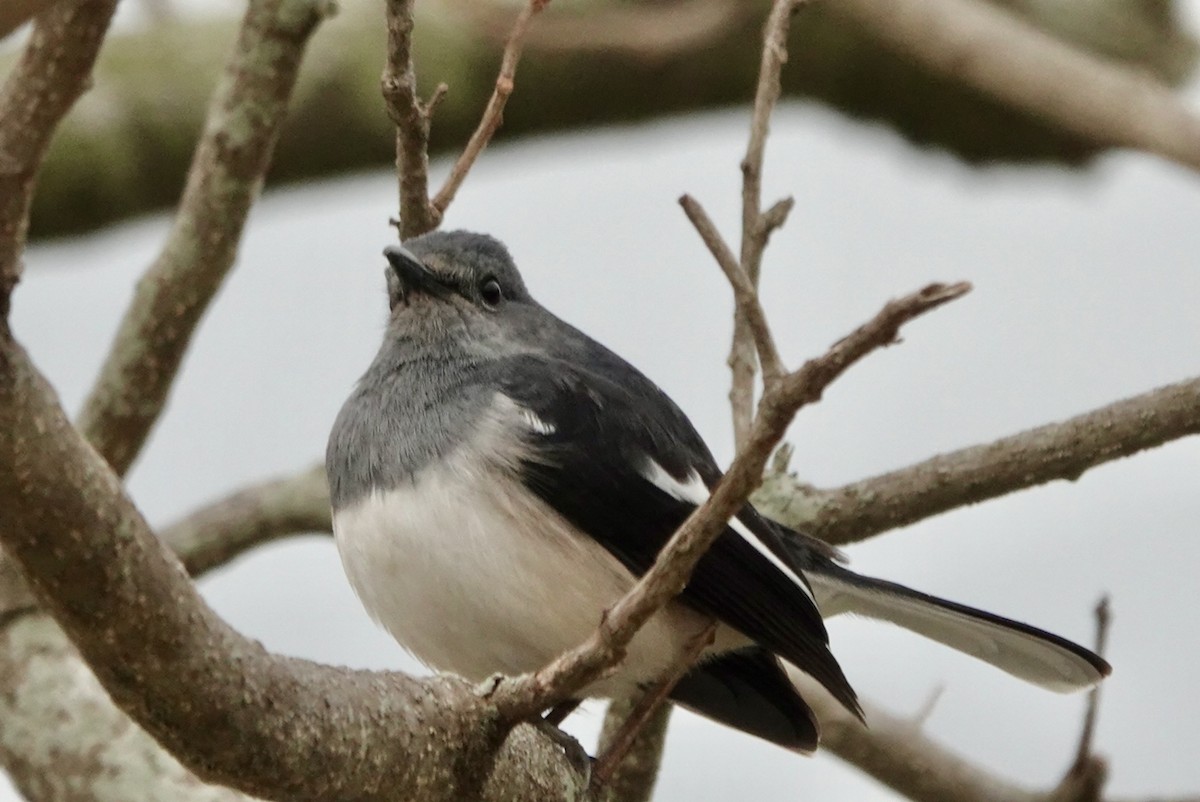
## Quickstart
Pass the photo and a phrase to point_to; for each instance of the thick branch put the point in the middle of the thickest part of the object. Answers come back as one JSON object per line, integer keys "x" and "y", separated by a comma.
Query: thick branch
{"x": 54, "y": 70}
{"x": 994, "y": 51}
{"x": 335, "y": 126}
{"x": 232, "y": 713}
{"x": 63, "y": 740}
{"x": 218, "y": 532}
{"x": 227, "y": 172}
{"x": 1062, "y": 450}
{"x": 526, "y": 696}
{"x": 896, "y": 753}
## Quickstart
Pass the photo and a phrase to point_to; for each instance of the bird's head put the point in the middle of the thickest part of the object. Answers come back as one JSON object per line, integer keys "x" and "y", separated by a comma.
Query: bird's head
{"x": 461, "y": 272}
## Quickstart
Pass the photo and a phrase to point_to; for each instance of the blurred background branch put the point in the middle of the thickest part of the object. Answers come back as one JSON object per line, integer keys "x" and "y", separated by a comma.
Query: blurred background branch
{"x": 126, "y": 147}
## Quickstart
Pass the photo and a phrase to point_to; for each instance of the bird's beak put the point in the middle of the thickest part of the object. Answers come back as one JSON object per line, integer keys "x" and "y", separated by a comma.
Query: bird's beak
{"x": 410, "y": 275}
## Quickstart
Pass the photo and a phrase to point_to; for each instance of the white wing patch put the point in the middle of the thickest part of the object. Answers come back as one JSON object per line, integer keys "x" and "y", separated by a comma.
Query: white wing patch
{"x": 695, "y": 491}
{"x": 535, "y": 423}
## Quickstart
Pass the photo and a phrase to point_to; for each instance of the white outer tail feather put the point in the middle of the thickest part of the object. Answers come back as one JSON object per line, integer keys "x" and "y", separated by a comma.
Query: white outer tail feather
{"x": 1018, "y": 653}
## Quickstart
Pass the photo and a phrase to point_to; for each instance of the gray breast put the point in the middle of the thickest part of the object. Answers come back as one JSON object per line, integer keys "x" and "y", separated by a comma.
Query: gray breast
{"x": 401, "y": 417}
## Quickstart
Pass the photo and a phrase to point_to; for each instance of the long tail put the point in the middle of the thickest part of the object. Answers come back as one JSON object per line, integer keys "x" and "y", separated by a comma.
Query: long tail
{"x": 1019, "y": 649}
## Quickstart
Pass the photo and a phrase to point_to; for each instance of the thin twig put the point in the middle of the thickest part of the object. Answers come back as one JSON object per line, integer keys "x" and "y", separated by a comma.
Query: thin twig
{"x": 635, "y": 777}
{"x": 1087, "y": 735}
{"x": 922, "y": 714}
{"x": 757, "y": 227}
{"x": 648, "y": 703}
{"x": 744, "y": 292}
{"x": 493, "y": 115}
{"x": 412, "y": 119}
{"x": 520, "y": 698}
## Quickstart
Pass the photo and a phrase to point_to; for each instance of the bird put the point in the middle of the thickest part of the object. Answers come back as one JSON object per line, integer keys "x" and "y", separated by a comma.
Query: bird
{"x": 498, "y": 479}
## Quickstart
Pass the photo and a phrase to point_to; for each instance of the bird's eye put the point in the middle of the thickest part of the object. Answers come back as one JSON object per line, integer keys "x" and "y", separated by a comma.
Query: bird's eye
{"x": 491, "y": 293}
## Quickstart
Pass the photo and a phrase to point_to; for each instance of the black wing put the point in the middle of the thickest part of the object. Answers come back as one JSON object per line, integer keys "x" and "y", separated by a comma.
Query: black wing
{"x": 591, "y": 466}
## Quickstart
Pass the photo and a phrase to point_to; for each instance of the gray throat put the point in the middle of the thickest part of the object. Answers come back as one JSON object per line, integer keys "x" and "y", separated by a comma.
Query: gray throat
{"x": 413, "y": 406}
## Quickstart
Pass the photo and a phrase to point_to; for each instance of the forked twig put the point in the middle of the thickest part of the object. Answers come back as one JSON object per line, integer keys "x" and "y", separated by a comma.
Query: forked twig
{"x": 413, "y": 118}
{"x": 744, "y": 292}
{"x": 757, "y": 226}
{"x": 649, "y": 702}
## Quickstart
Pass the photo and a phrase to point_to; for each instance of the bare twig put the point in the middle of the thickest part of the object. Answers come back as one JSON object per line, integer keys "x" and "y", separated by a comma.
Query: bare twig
{"x": 757, "y": 227}
{"x": 653, "y": 698}
{"x": 1084, "y": 780}
{"x": 744, "y": 292}
{"x": 244, "y": 119}
{"x": 1087, "y": 735}
{"x": 412, "y": 118}
{"x": 493, "y": 115}
{"x": 921, "y": 716}
{"x": 635, "y": 777}
{"x": 53, "y": 72}
{"x": 774, "y": 55}
{"x": 1063, "y": 450}
{"x": 521, "y": 698}
{"x": 991, "y": 49}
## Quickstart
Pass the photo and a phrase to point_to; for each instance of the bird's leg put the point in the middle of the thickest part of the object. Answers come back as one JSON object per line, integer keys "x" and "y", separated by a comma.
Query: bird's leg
{"x": 560, "y": 711}
{"x": 654, "y": 695}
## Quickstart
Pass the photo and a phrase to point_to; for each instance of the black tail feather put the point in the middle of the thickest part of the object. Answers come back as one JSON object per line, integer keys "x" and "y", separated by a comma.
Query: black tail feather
{"x": 749, "y": 691}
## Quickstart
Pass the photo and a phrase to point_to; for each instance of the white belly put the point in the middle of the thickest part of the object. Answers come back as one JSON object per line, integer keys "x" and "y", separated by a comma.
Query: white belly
{"x": 452, "y": 567}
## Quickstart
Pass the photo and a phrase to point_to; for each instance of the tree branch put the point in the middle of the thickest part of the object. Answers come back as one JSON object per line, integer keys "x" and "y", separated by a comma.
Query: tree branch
{"x": 412, "y": 118}
{"x": 988, "y": 48}
{"x": 645, "y": 708}
{"x": 1084, "y": 780}
{"x": 756, "y": 227}
{"x": 523, "y": 697}
{"x": 63, "y": 740}
{"x": 333, "y": 126}
{"x": 493, "y": 115}
{"x": 745, "y": 294}
{"x": 54, "y": 70}
{"x": 635, "y": 777}
{"x": 1063, "y": 450}
{"x": 218, "y": 532}
{"x": 233, "y": 714}
{"x": 227, "y": 172}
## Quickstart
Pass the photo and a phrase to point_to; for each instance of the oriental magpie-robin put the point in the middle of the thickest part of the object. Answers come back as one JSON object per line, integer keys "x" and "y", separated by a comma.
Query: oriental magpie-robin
{"x": 499, "y": 479}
